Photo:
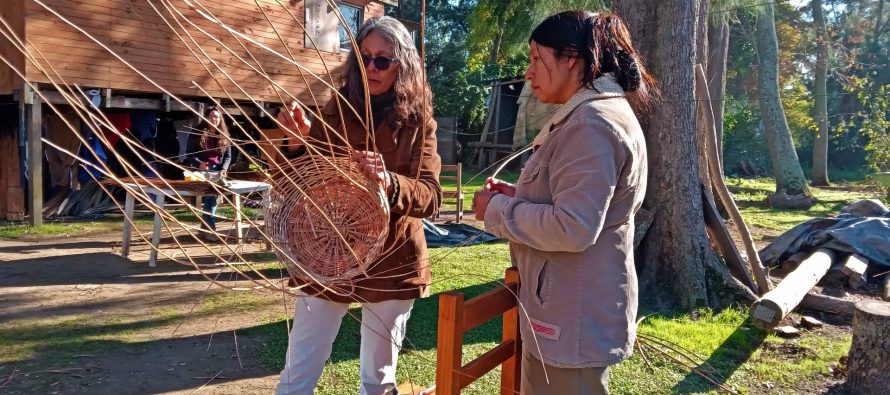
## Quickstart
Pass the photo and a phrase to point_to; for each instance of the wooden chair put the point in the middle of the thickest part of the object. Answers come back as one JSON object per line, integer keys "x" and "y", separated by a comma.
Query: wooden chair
{"x": 453, "y": 194}
{"x": 457, "y": 316}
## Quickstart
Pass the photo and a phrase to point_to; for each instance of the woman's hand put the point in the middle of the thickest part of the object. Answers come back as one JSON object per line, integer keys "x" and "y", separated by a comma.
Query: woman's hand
{"x": 372, "y": 165}
{"x": 203, "y": 166}
{"x": 500, "y": 186}
{"x": 480, "y": 202}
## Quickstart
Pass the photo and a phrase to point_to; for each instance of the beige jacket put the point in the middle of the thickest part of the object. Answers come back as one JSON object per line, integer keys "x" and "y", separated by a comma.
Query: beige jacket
{"x": 570, "y": 228}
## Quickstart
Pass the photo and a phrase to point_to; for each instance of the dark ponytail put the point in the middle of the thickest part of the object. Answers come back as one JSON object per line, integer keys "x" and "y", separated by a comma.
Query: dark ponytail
{"x": 603, "y": 42}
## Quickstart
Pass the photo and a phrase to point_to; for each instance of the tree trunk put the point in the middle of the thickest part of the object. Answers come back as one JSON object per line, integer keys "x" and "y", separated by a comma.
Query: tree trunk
{"x": 786, "y": 166}
{"x": 820, "y": 148}
{"x": 879, "y": 25}
{"x": 718, "y": 41}
{"x": 869, "y": 358}
{"x": 677, "y": 264}
{"x": 702, "y": 129}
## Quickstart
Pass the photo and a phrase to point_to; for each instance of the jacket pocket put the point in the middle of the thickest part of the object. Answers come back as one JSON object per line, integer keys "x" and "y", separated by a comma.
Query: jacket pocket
{"x": 529, "y": 172}
{"x": 542, "y": 286}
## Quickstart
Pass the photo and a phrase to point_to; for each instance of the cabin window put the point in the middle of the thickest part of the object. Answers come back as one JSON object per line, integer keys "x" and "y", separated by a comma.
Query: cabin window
{"x": 324, "y": 30}
{"x": 353, "y": 16}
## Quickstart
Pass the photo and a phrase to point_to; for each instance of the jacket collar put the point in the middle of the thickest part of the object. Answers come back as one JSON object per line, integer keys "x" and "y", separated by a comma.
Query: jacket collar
{"x": 605, "y": 87}
{"x": 385, "y": 136}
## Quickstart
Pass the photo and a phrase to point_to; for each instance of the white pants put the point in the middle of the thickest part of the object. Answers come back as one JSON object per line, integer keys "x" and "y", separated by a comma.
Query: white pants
{"x": 316, "y": 323}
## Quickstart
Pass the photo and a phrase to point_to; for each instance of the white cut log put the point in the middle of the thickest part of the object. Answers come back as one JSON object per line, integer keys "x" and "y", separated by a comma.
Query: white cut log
{"x": 772, "y": 307}
{"x": 854, "y": 268}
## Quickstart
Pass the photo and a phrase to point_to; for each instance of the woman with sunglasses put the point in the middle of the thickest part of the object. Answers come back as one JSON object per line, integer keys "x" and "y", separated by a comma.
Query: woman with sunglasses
{"x": 401, "y": 155}
{"x": 569, "y": 218}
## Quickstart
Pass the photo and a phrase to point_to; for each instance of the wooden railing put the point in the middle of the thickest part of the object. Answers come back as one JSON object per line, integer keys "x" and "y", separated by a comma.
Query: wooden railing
{"x": 457, "y": 316}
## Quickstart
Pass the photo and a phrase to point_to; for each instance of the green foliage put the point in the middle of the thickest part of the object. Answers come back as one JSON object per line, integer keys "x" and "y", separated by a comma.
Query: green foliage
{"x": 499, "y": 30}
{"x": 742, "y": 137}
{"x": 872, "y": 120}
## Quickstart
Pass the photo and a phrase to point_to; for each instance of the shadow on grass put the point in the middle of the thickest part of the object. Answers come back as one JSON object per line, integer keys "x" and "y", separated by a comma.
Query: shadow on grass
{"x": 78, "y": 359}
{"x": 726, "y": 359}
{"x": 421, "y": 336}
{"x": 108, "y": 268}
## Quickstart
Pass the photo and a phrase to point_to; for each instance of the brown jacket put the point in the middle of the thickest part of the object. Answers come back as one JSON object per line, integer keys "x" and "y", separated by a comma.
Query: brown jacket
{"x": 403, "y": 272}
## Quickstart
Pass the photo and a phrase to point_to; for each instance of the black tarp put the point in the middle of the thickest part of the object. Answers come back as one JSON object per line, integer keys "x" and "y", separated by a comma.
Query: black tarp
{"x": 454, "y": 235}
{"x": 867, "y": 235}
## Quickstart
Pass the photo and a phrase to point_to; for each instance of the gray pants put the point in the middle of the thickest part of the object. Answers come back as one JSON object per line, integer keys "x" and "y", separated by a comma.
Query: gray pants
{"x": 583, "y": 381}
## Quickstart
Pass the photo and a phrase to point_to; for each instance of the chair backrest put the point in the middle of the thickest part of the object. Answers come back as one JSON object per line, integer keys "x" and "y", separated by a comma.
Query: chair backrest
{"x": 456, "y": 193}
{"x": 457, "y": 316}
{"x": 457, "y": 170}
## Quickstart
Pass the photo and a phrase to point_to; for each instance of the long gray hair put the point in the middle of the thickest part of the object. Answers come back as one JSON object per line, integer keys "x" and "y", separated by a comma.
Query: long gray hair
{"x": 410, "y": 84}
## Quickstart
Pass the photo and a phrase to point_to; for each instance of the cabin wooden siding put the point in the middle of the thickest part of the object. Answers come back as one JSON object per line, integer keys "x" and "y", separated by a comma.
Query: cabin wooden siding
{"x": 13, "y": 12}
{"x": 133, "y": 30}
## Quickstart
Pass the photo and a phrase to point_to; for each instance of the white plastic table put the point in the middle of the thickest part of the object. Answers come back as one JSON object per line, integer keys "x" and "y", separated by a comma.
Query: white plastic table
{"x": 235, "y": 187}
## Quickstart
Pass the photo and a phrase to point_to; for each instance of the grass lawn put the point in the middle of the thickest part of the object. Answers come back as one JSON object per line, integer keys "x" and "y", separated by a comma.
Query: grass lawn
{"x": 746, "y": 356}
{"x": 750, "y": 195}
{"x": 750, "y": 360}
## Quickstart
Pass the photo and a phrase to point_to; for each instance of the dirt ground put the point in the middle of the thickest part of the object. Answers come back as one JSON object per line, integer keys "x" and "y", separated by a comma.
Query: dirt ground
{"x": 125, "y": 328}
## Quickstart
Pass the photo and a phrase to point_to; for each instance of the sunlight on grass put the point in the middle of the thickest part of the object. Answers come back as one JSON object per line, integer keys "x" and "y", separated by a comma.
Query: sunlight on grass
{"x": 65, "y": 229}
{"x": 722, "y": 338}
{"x": 750, "y": 195}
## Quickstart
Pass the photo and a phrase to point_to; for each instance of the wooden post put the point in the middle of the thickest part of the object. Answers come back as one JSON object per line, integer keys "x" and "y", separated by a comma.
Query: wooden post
{"x": 761, "y": 275}
{"x": 869, "y": 358}
{"x": 448, "y": 362}
{"x": 35, "y": 162}
{"x": 776, "y": 304}
{"x": 512, "y": 367}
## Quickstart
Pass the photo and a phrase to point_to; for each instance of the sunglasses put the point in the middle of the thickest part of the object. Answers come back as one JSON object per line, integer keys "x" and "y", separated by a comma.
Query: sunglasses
{"x": 382, "y": 63}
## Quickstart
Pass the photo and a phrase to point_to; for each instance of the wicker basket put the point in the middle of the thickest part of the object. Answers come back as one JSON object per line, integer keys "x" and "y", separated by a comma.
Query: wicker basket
{"x": 327, "y": 219}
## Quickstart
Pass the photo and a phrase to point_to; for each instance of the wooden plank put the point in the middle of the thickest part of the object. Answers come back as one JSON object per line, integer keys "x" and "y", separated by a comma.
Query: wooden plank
{"x": 487, "y": 306}
{"x": 6, "y": 143}
{"x": 485, "y": 363}
{"x": 449, "y": 343}
{"x": 13, "y": 12}
{"x": 139, "y": 35}
{"x": 720, "y": 234}
{"x": 761, "y": 274}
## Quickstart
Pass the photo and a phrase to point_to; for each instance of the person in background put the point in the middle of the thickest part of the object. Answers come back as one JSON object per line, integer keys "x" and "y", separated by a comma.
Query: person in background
{"x": 210, "y": 149}
{"x": 404, "y": 139}
{"x": 569, "y": 217}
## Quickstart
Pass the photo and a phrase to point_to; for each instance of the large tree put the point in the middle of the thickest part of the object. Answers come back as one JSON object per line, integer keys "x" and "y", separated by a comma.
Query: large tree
{"x": 791, "y": 185}
{"x": 678, "y": 265}
{"x": 820, "y": 94}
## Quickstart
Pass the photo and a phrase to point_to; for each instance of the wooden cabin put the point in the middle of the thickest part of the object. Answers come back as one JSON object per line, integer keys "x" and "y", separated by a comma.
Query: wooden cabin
{"x": 134, "y": 30}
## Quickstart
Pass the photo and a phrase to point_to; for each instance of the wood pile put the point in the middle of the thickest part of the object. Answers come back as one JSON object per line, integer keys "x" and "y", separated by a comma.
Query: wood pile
{"x": 799, "y": 286}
